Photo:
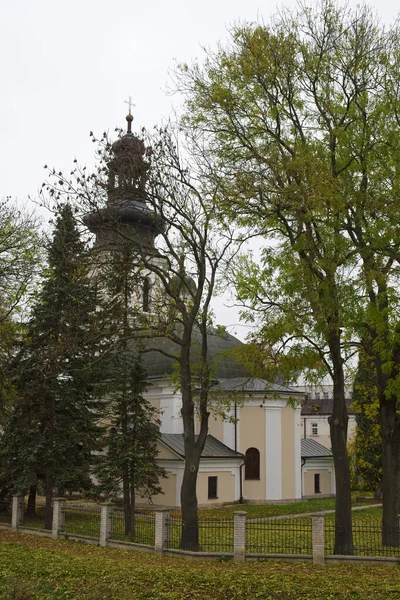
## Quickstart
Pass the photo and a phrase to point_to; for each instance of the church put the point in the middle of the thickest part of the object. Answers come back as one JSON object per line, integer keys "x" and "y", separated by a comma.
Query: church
{"x": 253, "y": 451}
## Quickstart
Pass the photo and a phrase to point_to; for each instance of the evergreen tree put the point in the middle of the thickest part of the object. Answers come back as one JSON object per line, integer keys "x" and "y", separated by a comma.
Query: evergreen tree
{"x": 53, "y": 428}
{"x": 129, "y": 462}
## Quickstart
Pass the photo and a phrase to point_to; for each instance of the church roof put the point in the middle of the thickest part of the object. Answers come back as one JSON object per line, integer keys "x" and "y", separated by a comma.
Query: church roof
{"x": 254, "y": 384}
{"x": 221, "y": 352}
{"x": 322, "y": 406}
{"x": 213, "y": 448}
{"x": 312, "y": 449}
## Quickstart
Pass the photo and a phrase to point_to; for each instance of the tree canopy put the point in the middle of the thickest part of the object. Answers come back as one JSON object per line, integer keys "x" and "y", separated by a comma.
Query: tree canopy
{"x": 301, "y": 119}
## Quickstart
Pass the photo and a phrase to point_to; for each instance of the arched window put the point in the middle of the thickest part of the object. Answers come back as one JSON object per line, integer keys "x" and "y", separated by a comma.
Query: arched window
{"x": 252, "y": 464}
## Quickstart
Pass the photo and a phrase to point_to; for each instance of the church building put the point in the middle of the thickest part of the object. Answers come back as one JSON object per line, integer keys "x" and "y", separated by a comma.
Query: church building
{"x": 253, "y": 452}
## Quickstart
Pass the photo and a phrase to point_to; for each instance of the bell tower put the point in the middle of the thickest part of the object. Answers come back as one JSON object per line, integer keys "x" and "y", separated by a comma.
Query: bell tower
{"x": 127, "y": 213}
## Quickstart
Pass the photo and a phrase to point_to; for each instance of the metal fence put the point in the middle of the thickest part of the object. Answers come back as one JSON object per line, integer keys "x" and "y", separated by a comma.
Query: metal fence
{"x": 82, "y": 519}
{"x": 5, "y": 512}
{"x": 367, "y": 538}
{"x": 35, "y": 520}
{"x": 144, "y": 528}
{"x": 215, "y": 535}
{"x": 279, "y": 536}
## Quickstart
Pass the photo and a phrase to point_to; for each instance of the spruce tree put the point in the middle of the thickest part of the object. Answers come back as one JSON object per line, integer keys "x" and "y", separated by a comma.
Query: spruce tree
{"x": 128, "y": 464}
{"x": 54, "y": 427}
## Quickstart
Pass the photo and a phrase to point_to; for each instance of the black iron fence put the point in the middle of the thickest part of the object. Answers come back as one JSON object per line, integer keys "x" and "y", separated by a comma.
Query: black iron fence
{"x": 82, "y": 519}
{"x": 215, "y": 535}
{"x": 279, "y": 536}
{"x": 368, "y": 539}
{"x": 5, "y": 512}
{"x": 143, "y": 528}
{"x": 34, "y": 517}
{"x": 305, "y": 535}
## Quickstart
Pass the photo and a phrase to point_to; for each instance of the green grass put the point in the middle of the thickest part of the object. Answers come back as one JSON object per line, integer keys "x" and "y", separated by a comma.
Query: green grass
{"x": 34, "y": 568}
{"x": 255, "y": 511}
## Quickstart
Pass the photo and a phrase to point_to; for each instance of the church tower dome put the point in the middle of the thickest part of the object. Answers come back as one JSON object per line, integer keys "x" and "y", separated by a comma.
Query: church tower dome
{"x": 127, "y": 209}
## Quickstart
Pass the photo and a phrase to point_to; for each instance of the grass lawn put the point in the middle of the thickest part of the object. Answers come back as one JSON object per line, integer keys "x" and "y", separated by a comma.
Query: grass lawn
{"x": 37, "y": 568}
{"x": 255, "y": 511}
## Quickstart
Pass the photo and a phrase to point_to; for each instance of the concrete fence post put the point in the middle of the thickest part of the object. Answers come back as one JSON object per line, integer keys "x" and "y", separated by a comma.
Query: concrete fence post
{"x": 17, "y": 515}
{"x": 106, "y": 522}
{"x": 318, "y": 540}
{"x": 58, "y": 517}
{"x": 239, "y": 535}
{"x": 161, "y": 530}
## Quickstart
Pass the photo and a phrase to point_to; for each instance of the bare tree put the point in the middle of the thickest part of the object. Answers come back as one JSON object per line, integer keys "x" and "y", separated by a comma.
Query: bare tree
{"x": 151, "y": 199}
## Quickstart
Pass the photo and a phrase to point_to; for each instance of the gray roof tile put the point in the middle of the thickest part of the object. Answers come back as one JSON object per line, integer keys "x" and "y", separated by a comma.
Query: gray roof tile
{"x": 323, "y": 406}
{"x": 213, "y": 448}
{"x": 312, "y": 449}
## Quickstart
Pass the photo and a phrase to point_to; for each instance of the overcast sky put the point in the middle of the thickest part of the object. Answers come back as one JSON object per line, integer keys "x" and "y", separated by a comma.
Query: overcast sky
{"x": 67, "y": 67}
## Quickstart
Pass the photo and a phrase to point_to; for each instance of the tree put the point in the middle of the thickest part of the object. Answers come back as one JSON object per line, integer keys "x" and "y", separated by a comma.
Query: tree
{"x": 301, "y": 118}
{"x": 130, "y": 460}
{"x": 367, "y": 444}
{"x": 52, "y": 429}
{"x": 19, "y": 259}
{"x": 138, "y": 195}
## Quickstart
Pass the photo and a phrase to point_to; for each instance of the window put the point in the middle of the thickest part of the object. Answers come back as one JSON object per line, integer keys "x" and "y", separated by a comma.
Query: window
{"x": 252, "y": 464}
{"x": 146, "y": 294}
{"x": 317, "y": 483}
{"x": 212, "y": 487}
{"x": 314, "y": 428}
{"x": 317, "y": 396}
{"x": 326, "y": 395}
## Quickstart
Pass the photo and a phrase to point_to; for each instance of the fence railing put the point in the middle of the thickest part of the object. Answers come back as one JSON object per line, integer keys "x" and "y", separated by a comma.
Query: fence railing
{"x": 308, "y": 537}
{"x": 143, "y": 528}
{"x": 215, "y": 535}
{"x": 5, "y": 512}
{"x": 279, "y": 536}
{"x": 82, "y": 519}
{"x": 367, "y": 538}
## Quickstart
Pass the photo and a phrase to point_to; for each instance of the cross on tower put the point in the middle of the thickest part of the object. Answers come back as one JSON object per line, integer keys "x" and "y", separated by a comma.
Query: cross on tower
{"x": 129, "y": 103}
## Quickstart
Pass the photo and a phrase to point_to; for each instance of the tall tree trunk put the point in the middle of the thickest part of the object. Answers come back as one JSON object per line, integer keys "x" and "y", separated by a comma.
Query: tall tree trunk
{"x": 338, "y": 429}
{"x": 190, "y": 529}
{"x": 31, "y": 507}
{"x": 48, "y": 490}
{"x": 390, "y": 428}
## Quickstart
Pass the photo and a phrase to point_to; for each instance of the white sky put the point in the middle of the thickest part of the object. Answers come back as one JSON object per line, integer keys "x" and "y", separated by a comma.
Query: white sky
{"x": 67, "y": 67}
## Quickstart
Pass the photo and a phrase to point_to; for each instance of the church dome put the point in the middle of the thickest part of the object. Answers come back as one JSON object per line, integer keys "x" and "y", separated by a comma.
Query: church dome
{"x": 222, "y": 350}
{"x": 128, "y": 144}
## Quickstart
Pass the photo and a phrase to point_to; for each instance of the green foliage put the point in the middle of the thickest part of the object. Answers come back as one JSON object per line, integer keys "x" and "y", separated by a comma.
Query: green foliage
{"x": 52, "y": 428}
{"x": 128, "y": 463}
{"x": 130, "y": 458}
{"x": 19, "y": 259}
{"x": 368, "y": 438}
{"x": 301, "y": 121}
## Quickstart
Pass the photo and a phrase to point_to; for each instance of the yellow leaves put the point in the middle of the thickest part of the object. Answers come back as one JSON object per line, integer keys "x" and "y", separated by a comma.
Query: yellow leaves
{"x": 41, "y": 569}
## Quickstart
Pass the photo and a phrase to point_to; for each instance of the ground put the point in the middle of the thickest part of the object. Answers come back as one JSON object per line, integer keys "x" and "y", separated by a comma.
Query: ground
{"x": 33, "y": 568}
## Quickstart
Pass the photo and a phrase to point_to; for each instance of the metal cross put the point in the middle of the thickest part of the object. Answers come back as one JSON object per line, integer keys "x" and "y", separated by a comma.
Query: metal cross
{"x": 129, "y": 103}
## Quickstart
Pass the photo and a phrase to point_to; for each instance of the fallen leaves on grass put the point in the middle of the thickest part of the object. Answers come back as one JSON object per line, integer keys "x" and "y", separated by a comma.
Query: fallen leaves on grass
{"x": 33, "y": 568}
